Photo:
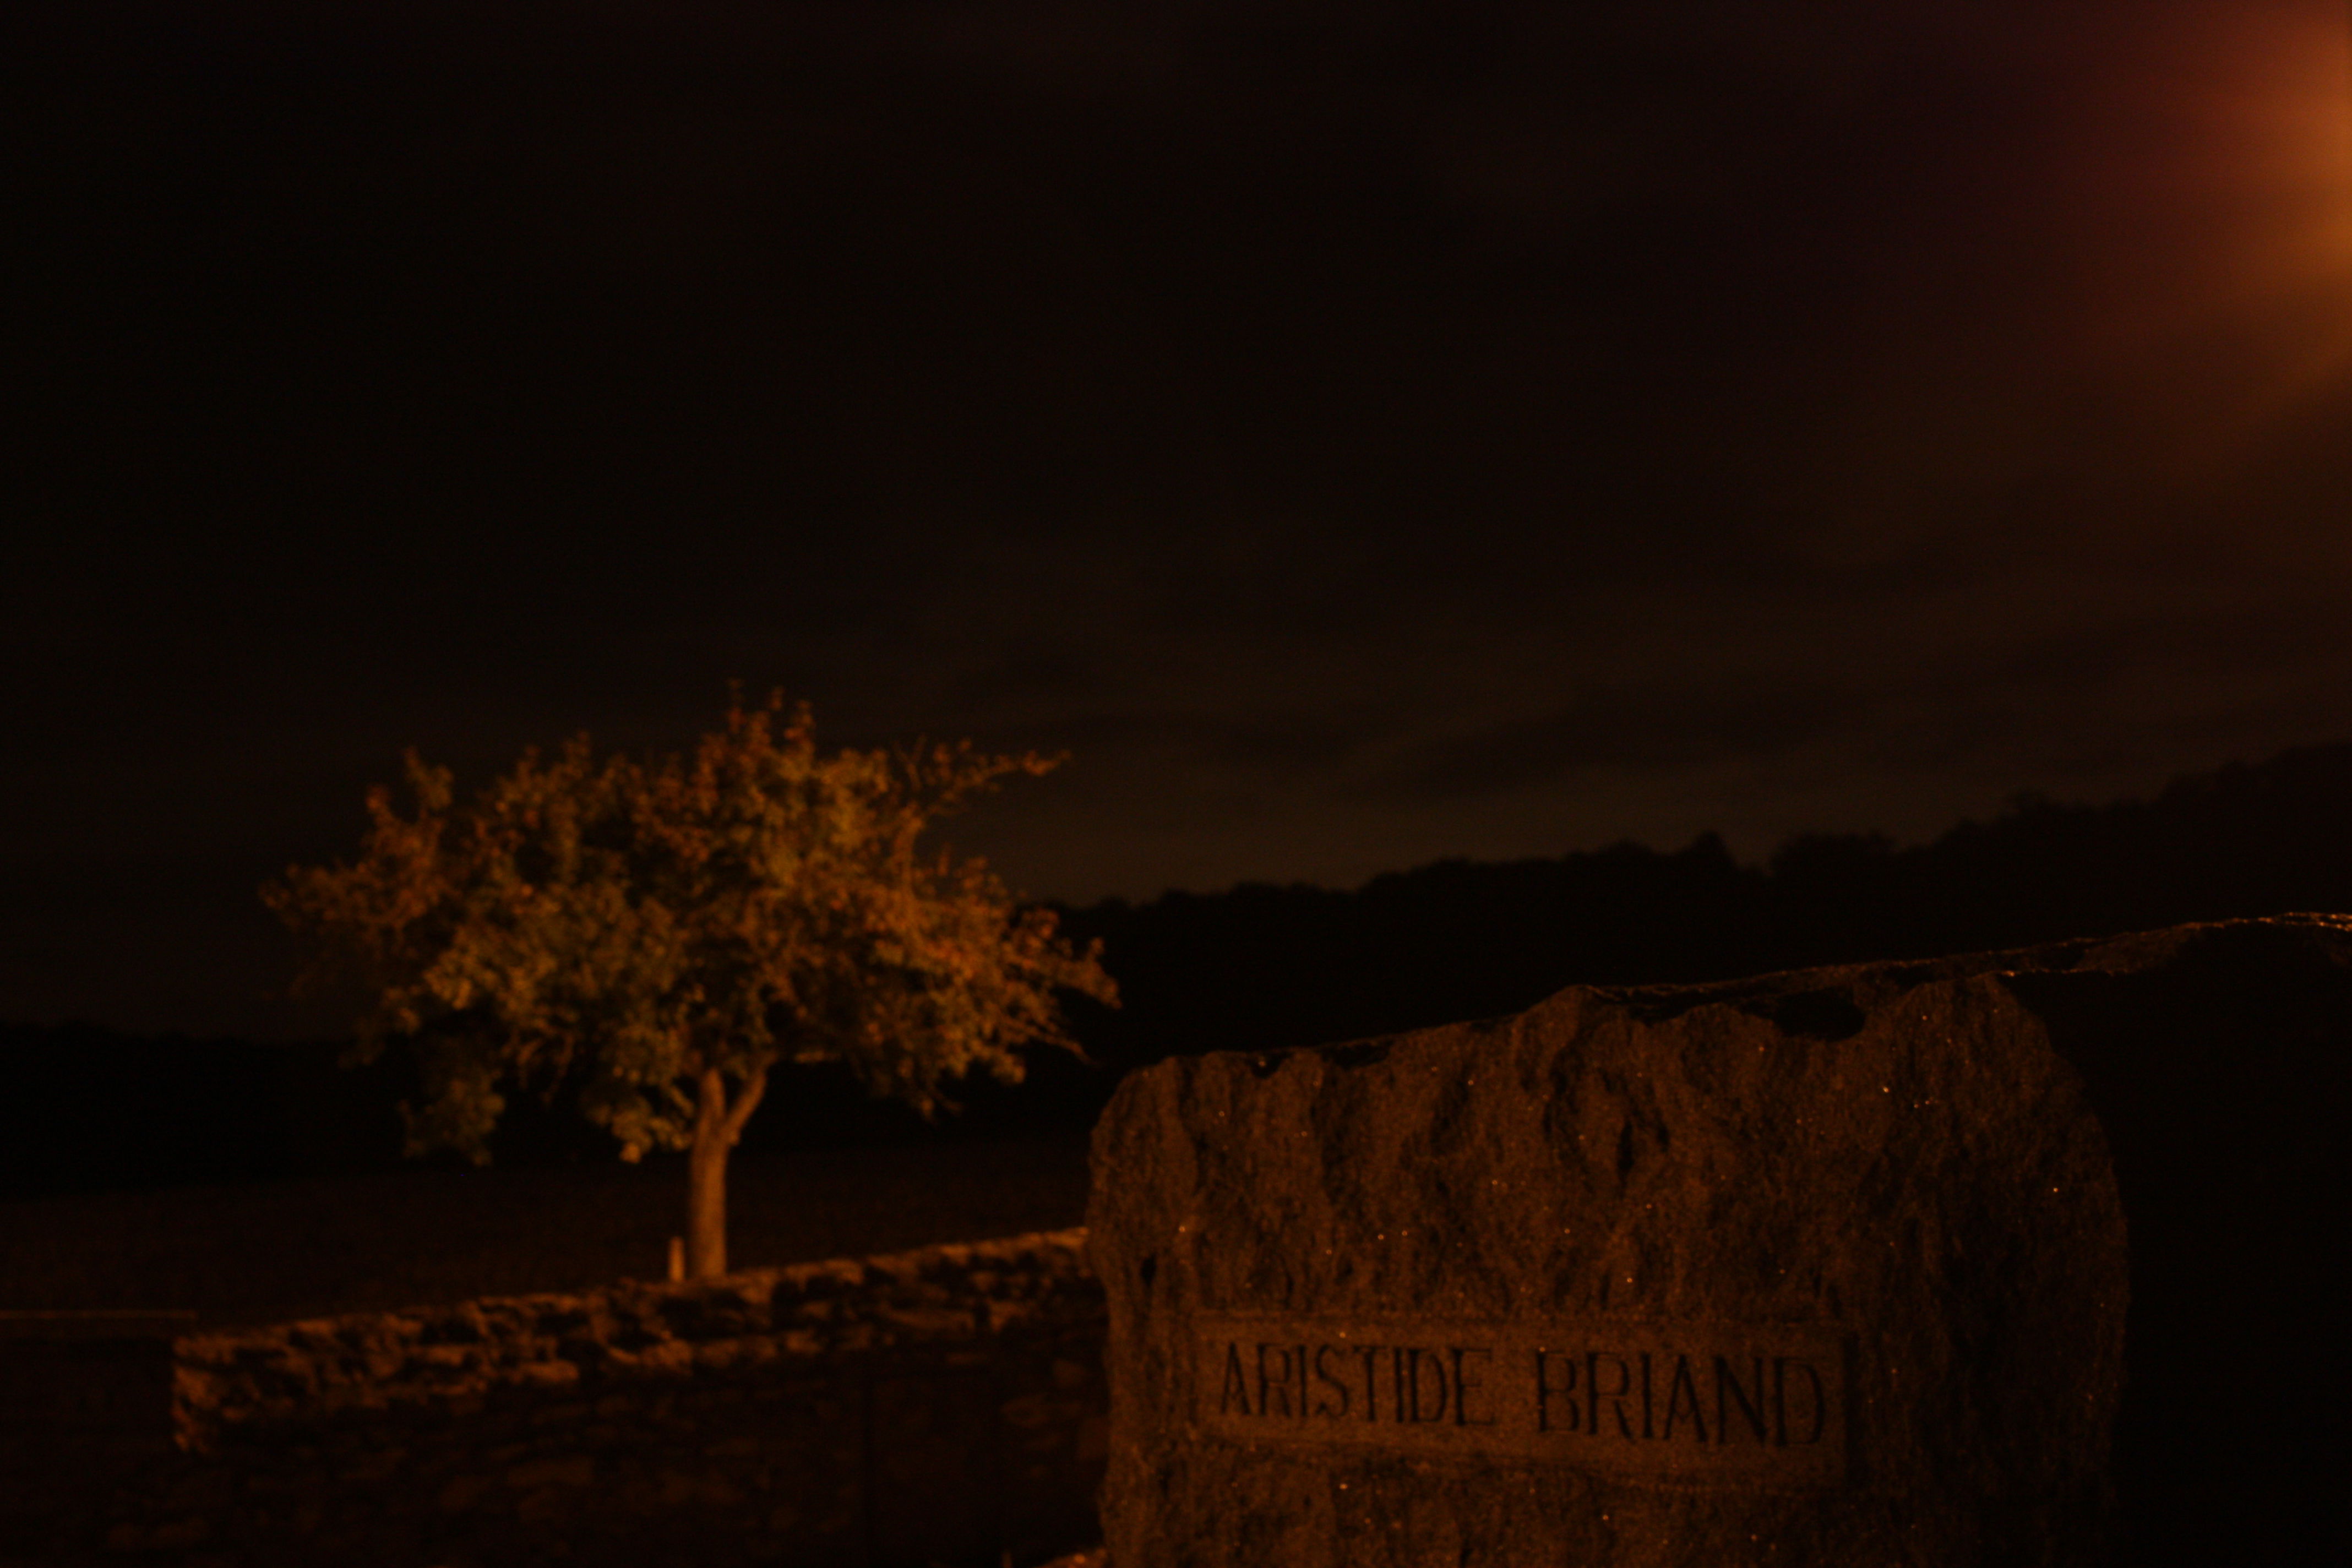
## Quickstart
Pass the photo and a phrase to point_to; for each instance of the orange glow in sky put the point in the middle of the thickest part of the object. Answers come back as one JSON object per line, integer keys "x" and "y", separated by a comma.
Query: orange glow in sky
{"x": 2214, "y": 212}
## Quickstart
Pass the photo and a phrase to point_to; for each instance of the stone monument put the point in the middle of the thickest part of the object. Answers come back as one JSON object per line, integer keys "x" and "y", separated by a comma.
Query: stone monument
{"x": 1822, "y": 1268}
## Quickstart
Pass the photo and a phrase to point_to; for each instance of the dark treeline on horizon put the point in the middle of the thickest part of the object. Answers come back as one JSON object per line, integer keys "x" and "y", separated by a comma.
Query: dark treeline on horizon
{"x": 1264, "y": 967}
{"x": 1261, "y": 967}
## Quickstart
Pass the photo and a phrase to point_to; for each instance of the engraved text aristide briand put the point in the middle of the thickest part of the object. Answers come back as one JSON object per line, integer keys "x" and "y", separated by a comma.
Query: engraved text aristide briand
{"x": 1695, "y": 1403}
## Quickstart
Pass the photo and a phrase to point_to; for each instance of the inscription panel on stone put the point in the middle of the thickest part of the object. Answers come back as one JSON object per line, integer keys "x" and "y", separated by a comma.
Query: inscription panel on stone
{"x": 1696, "y": 1401}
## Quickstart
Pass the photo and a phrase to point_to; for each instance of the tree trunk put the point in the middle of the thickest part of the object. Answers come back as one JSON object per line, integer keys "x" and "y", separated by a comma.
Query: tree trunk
{"x": 717, "y": 1126}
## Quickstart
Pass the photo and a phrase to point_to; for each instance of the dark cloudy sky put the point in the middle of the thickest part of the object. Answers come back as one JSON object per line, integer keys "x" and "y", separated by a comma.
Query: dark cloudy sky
{"x": 1361, "y": 433}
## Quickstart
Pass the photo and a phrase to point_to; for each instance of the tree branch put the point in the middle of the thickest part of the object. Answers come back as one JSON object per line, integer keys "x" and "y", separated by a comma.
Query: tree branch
{"x": 745, "y": 1103}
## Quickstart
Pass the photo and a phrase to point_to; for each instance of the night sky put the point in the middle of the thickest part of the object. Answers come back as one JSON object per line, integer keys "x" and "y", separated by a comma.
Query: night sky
{"x": 1360, "y": 433}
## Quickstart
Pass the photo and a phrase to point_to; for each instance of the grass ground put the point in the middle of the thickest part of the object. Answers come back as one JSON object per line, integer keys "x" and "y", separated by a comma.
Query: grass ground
{"x": 273, "y": 1252}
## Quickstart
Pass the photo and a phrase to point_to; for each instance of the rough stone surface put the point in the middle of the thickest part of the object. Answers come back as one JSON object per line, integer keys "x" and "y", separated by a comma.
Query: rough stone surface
{"x": 1883, "y": 1174}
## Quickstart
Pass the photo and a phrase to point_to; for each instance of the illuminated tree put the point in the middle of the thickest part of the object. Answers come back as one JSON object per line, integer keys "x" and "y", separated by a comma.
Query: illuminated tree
{"x": 664, "y": 934}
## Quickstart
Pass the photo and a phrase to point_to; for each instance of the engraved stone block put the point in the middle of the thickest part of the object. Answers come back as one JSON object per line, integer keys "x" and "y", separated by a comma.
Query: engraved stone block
{"x": 1823, "y": 1270}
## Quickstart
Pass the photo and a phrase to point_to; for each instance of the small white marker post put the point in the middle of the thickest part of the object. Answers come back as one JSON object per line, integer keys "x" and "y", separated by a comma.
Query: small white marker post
{"x": 676, "y": 1258}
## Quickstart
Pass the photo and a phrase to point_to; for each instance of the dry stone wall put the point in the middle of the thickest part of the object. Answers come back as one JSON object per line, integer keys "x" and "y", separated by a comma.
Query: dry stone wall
{"x": 945, "y": 1405}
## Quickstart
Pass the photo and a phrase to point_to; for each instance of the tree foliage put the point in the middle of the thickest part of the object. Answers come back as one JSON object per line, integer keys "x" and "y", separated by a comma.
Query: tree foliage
{"x": 663, "y": 932}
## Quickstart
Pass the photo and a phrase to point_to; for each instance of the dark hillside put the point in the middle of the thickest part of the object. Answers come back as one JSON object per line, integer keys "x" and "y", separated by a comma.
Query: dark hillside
{"x": 2243, "y": 841}
{"x": 1260, "y": 966}
{"x": 1264, "y": 966}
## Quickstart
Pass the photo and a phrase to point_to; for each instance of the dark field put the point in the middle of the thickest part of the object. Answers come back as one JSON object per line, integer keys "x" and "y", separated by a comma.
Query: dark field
{"x": 269, "y": 1252}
